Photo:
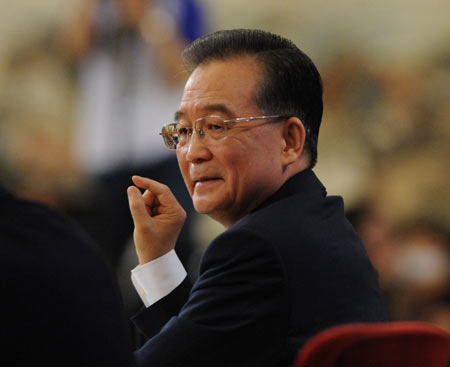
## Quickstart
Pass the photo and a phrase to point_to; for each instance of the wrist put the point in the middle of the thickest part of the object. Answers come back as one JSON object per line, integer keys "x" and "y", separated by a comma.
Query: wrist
{"x": 146, "y": 256}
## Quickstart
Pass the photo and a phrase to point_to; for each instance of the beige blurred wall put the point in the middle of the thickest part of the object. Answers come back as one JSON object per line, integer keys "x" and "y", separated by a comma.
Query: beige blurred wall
{"x": 387, "y": 30}
{"x": 401, "y": 29}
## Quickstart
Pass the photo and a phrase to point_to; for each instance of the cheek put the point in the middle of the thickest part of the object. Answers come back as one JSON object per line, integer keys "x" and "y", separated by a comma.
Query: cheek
{"x": 240, "y": 158}
{"x": 245, "y": 174}
{"x": 233, "y": 166}
{"x": 260, "y": 170}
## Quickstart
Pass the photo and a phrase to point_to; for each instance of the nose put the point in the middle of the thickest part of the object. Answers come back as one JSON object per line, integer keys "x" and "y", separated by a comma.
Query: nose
{"x": 196, "y": 149}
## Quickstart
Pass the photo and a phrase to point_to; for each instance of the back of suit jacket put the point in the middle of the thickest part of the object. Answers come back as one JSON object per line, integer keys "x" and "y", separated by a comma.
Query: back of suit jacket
{"x": 288, "y": 270}
{"x": 60, "y": 304}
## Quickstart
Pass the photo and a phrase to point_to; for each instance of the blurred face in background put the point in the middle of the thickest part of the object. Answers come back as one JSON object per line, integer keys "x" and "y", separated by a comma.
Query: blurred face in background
{"x": 132, "y": 11}
{"x": 423, "y": 264}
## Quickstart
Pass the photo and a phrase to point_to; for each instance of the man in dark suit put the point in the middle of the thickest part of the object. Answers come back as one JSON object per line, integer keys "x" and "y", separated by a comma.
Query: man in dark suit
{"x": 60, "y": 305}
{"x": 289, "y": 264}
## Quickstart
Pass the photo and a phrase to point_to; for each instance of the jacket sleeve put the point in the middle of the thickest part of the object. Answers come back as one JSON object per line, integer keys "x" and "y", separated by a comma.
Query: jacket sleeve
{"x": 237, "y": 312}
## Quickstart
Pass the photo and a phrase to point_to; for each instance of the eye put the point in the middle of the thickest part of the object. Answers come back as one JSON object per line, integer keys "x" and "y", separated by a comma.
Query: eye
{"x": 215, "y": 126}
{"x": 183, "y": 130}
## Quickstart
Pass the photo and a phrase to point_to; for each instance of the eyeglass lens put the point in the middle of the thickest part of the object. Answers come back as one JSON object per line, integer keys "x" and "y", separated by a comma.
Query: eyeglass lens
{"x": 178, "y": 134}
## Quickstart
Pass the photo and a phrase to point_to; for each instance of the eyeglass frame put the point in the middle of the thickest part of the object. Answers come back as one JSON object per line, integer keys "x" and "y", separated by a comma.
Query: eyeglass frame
{"x": 167, "y": 134}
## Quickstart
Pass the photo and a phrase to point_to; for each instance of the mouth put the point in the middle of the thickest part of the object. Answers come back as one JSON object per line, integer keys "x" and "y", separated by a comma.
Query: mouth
{"x": 206, "y": 181}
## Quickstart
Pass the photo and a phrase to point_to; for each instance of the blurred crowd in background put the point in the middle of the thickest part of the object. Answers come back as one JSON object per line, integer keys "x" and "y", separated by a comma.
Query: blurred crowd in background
{"x": 86, "y": 85}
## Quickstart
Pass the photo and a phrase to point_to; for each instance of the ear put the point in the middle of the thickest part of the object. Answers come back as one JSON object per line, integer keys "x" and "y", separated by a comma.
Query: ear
{"x": 294, "y": 137}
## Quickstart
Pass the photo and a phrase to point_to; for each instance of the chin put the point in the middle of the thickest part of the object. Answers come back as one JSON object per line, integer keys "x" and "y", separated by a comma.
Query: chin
{"x": 208, "y": 206}
{"x": 203, "y": 207}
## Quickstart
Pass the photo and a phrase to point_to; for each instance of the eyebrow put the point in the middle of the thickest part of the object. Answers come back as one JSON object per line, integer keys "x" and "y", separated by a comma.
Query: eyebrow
{"x": 177, "y": 116}
{"x": 216, "y": 107}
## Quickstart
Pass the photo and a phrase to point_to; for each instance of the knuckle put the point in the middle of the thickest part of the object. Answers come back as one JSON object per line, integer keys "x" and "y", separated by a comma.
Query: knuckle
{"x": 164, "y": 187}
{"x": 181, "y": 216}
{"x": 142, "y": 229}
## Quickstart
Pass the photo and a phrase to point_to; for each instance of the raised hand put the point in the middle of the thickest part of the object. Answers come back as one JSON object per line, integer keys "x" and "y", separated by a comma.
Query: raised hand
{"x": 157, "y": 216}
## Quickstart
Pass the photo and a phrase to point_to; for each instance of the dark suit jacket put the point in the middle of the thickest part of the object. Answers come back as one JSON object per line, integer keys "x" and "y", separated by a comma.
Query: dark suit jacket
{"x": 288, "y": 270}
{"x": 59, "y": 302}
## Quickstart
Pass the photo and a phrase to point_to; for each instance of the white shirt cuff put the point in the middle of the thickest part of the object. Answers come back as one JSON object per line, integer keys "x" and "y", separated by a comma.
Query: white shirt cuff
{"x": 157, "y": 278}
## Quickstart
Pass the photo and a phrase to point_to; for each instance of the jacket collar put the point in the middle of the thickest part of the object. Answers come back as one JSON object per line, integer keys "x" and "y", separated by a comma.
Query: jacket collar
{"x": 303, "y": 183}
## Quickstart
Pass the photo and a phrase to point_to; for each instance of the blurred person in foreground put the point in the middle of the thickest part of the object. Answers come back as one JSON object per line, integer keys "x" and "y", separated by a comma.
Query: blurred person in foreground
{"x": 60, "y": 304}
{"x": 289, "y": 264}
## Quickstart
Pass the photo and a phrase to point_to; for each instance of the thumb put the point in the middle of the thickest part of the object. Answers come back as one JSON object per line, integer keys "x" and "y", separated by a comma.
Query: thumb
{"x": 137, "y": 206}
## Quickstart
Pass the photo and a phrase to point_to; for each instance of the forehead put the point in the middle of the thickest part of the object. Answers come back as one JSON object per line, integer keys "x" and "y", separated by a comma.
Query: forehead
{"x": 227, "y": 87}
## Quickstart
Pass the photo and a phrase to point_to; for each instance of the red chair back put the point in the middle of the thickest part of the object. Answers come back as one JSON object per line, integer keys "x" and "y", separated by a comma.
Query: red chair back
{"x": 395, "y": 344}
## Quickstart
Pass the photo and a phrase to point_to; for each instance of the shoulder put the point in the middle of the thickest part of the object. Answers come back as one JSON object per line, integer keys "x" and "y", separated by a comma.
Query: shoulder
{"x": 29, "y": 228}
{"x": 239, "y": 258}
{"x": 242, "y": 270}
{"x": 239, "y": 244}
{"x": 40, "y": 245}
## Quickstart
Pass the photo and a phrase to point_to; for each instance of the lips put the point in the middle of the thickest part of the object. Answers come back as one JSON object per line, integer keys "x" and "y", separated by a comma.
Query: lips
{"x": 202, "y": 181}
{"x": 206, "y": 179}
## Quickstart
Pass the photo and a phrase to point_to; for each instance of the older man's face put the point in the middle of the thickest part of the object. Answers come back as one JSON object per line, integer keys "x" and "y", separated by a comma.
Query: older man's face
{"x": 228, "y": 180}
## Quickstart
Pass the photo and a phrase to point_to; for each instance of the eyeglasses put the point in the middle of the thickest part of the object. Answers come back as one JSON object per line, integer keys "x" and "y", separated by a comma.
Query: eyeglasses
{"x": 212, "y": 128}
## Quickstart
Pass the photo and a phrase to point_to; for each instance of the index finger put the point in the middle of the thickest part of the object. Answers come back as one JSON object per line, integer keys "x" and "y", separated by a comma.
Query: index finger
{"x": 161, "y": 191}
